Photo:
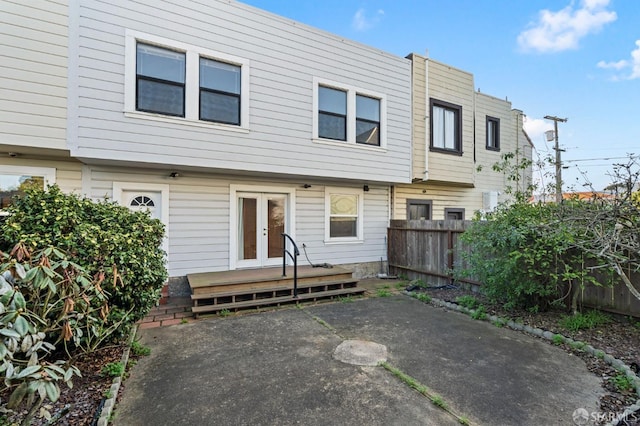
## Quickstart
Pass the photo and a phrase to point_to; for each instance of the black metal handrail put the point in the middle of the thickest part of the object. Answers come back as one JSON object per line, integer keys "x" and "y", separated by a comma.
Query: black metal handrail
{"x": 294, "y": 257}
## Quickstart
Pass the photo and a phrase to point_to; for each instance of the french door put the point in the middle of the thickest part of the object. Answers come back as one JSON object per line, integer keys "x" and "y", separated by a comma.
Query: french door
{"x": 261, "y": 220}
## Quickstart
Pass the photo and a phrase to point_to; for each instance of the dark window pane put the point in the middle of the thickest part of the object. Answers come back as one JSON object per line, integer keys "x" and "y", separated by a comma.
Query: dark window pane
{"x": 160, "y": 97}
{"x": 367, "y": 132}
{"x": 332, "y": 100}
{"x": 367, "y": 108}
{"x": 332, "y": 127}
{"x": 419, "y": 212}
{"x": 219, "y": 76}
{"x": 343, "y": 227}
{"x": 159, "y": 63}
{"x": 219, "y": 107}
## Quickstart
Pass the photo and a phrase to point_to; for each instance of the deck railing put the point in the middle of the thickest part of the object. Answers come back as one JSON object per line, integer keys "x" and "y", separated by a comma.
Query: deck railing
{"x": 294, "y": 257}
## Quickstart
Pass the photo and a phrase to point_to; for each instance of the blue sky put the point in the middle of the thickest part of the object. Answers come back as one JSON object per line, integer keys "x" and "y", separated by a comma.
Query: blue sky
{"x": 575, "y": 59}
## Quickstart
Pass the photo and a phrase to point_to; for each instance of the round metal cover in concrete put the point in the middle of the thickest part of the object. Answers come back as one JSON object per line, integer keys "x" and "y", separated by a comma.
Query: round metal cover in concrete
{"x": 360, "y": 352}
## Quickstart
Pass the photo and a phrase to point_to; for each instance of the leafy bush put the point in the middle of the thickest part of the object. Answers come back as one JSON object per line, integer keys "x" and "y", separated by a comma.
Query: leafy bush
{"x": 467, "y": 301}
{"x": 524, "y": 255}
{"x": 121, "y": 249}
{"x": 45, "y": 300}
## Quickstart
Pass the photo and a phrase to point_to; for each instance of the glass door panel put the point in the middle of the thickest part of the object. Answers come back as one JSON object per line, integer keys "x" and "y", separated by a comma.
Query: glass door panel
{"x": 247, "y": 228}
{"x": 275, "y": 225}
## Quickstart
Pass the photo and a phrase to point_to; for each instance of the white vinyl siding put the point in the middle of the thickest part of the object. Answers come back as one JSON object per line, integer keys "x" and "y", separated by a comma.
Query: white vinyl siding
{"x": 33, "y": 75}
{"x": 277, "y": 136}
{"x": 199, "y": 217}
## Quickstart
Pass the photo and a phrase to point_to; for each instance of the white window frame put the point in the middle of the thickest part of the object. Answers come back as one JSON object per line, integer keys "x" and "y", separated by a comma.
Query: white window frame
{"x": 192, "y": 81}
{"x": 47, "y": 173}
{"x": 351, "y": 114}
{"x": 328, "y": 192}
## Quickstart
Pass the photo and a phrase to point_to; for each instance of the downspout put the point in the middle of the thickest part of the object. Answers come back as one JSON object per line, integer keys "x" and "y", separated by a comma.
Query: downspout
{"x": 427, "y": 126}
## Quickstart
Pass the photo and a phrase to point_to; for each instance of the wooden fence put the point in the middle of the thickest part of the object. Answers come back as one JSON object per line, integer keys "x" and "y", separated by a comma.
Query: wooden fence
{"x": 430, "y": 250}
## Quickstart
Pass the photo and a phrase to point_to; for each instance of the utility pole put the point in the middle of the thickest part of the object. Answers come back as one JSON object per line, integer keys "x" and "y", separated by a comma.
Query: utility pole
{"x": 558, "y": 157}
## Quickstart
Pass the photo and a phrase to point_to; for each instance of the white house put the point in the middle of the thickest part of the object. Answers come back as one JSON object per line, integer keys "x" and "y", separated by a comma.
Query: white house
{"x": 232, "y": 125}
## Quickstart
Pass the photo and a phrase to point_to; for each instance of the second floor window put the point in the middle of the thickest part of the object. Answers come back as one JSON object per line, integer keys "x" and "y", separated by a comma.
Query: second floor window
{"x": 446, "y": 127}
{"x": 348, "y": 114}
{"x": 367, "y": 120}
{"x": 160, "y": 80}
{"x": 219, "y": 91}
{"x": 332, "y": 113}
{"x": 493, "y": 134}
{"x": 168, "y": 80}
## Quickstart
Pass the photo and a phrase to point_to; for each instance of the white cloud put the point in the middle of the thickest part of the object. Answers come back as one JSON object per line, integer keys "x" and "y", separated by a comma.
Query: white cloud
{"x": 535, "y": 127}
{"x": 613, "y": 65}
{"x": 623, "y": 64}
{"x": 563, "y": 30}
{"x": 362, "y": 22}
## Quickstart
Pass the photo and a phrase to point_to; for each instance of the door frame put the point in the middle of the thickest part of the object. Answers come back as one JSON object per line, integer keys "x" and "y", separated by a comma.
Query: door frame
{"x": 163, "y": 189}
{"x": 234, "y": 189}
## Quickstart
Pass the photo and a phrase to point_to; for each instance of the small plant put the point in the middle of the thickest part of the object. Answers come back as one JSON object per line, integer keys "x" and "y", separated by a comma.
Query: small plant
{"x": 464, "y": 421}
{"x": 499, "y": 323}
{"x": 479, "y": 313}
{"x": 557, "y": 339}
{"x": 383, "y": 292}
{"x": 600, "y": 354}
{"x": 578, "y": 346}
{"x": 467, "y": 301}
{"x": 423, "y": 297}
{"x": 584, "y": 321}
{"x": 621, "y": 382}
{"x": 184, "y": 321}
{"x": 139, "y": 349}
{"x": 346, "y": 299}
{"x": 225, "y": 313}
{"x": 400, "y": 285}
{"x": 108, "y": 394}
{"x": 438, "y": 401}
{"x": 113, "y": 369}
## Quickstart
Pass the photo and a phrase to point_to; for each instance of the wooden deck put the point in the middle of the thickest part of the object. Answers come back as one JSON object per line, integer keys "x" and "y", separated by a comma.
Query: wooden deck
{"x": 248, "y": 288}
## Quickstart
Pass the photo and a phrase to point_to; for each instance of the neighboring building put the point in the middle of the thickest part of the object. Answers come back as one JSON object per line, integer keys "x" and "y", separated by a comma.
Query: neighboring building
{"x": 233, "y": 125}
{"x": 458, "y": 135}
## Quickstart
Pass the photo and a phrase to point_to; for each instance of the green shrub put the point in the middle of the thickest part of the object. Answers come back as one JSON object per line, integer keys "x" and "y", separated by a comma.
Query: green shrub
{"x": 46, "y": 300}
{"x": 588, "y": 320}
{"x": 524, "y": 254}
{"x": 139, "y": 349}
{"x": 467, "y": 301}
{"x": 120, "y": 248}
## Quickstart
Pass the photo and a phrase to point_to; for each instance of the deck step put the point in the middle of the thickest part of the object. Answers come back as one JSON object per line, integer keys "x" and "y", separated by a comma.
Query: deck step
{"x": 276, "y": 300}
{"x": 217, "y": 291}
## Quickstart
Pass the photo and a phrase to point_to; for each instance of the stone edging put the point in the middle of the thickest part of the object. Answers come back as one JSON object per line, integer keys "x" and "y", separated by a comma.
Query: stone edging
{"x": 609, "y": 359}
{"x": 110, "y": 403}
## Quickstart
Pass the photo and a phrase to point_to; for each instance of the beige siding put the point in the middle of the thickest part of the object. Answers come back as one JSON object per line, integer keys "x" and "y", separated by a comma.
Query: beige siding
{"x": 454, "y": 86}
{"x": 458, "y": 181}
{"x": 33, "y": 75}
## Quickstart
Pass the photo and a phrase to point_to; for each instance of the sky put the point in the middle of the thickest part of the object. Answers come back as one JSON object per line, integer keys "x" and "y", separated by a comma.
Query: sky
{"x": 573, "y": 59}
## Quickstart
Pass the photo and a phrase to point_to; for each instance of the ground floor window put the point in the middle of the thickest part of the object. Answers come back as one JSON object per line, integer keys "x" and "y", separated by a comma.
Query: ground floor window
{"x": 343, "y": 218}
{"x": 15, "y": 180}
{"x": 419, "y": 209}
{"x": 454, "y": 214}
